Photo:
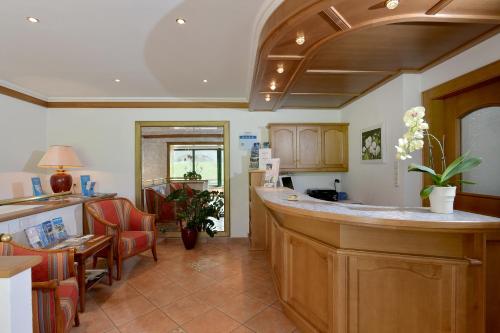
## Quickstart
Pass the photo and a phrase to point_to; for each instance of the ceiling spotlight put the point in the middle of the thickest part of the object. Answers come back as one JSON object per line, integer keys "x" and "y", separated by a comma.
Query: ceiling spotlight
{"x": 180, "y": 21}
{"x": 117, "y": 80}
{"x": 272, "y": 86}
{"x": 280, "y": 69}
{"x": 205, "y": 81}
{"x": 267, "y": 98}
{"x": 392, "y": 4}
{"x": 32, "y": 19}
{"x": 301, "y": 39}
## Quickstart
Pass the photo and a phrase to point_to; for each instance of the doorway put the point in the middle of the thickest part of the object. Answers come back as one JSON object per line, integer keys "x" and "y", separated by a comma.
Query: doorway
{"x": 465, "y": 114}
{"x": 172, "y": 154}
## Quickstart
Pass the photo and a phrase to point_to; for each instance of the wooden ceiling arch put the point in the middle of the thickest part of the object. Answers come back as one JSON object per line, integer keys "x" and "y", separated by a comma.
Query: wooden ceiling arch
{"x": 352, "y": 47}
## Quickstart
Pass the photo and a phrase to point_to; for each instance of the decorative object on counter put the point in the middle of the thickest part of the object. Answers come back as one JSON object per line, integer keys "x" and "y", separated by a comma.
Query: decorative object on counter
{"x": 5, "y": 238}
{"x": 442, "y": 192}
{"x": 87, "y": 186}
{"x": 192, "y": 175}
{"x": 60, "y": 158}
{"x": 272, "y": 173}
{"x": 196, "y": 213}
{"x": 37, "y": 186}
{"x": 372, "y": 144}
{"x": 292, "y": 197}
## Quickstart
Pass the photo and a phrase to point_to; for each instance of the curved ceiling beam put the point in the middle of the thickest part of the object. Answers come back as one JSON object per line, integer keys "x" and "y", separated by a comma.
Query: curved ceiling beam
{"x": 278, "y": 34}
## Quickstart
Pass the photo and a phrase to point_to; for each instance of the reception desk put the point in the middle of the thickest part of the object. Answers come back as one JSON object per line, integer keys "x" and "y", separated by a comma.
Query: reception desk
{"x": 370, "y": 269}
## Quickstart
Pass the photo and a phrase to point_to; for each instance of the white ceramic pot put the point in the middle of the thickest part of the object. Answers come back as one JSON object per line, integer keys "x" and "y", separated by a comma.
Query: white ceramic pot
{"x": 442, "y": 198}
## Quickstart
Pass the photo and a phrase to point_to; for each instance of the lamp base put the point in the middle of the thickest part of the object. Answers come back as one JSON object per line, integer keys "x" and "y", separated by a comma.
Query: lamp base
{"x": 61, "y": 181}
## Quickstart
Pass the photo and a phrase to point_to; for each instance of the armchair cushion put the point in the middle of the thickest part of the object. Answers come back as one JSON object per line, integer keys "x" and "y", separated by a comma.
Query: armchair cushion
{"x": 44, "y": 310}
{"x": 136, "y": 241}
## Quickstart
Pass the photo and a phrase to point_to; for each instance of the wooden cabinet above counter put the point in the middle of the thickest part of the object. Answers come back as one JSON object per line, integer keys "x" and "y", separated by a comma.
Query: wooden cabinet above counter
{"x": 310, "y": 147}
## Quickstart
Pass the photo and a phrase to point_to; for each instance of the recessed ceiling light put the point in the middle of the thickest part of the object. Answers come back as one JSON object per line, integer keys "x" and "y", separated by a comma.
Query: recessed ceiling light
{"x": 273, "y": 86}
{"x": 117, "y": 80}
{"x": 392, "y": 4}
{"x": 180, "y": 20}
{"x": 32, "y": 19}
{"x": 280, "y": 69}
{"x": 267, "y": 98}
{"x": 301, "y": 39}
{"x": 205, "y": 81}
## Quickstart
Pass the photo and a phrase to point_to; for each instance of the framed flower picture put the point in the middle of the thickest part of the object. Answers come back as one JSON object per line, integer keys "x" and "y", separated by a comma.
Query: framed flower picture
{"x": 373, "y": 144}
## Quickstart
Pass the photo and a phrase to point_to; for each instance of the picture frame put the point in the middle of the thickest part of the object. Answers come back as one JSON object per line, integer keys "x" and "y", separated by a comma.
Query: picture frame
{"x": 373, "y": 146}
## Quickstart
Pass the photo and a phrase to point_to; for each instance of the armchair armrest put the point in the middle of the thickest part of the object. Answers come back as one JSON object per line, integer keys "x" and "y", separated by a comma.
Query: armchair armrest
{"x": 47, "y": 313}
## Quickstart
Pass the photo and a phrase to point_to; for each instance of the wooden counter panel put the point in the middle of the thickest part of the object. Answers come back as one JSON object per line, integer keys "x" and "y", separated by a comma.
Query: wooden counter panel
{"x": 493, "y": 286}
{"x": 402, "y": 241}
{"x": 388, "y": 294}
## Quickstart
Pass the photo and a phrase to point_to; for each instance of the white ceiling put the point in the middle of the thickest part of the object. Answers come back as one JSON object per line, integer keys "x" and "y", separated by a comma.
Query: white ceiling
{"x": 80, "y": 47}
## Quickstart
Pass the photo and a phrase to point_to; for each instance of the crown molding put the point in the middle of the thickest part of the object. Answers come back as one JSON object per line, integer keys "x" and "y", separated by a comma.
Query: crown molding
{"x": 14, "y": 91}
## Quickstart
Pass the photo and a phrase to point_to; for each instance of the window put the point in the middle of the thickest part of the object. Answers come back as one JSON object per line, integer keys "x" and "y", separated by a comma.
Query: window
{"x": 207, "y": 160}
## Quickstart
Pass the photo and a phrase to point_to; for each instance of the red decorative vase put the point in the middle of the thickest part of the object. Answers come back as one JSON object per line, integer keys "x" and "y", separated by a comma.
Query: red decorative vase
{"x": 61, "y": 181}
{"x": 189, "y": 237}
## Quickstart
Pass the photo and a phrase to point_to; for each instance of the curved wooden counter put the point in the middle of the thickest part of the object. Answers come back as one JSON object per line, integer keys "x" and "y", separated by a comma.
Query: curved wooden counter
{"x": 367, "y": 269}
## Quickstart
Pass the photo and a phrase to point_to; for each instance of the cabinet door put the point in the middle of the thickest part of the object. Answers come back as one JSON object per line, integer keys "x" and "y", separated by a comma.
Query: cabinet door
{"x": 308, "y": 147}
{"x": 379, "y": 293}
{"x": 334, "y": 147}
{"x": 283, "y": 144}
{"x": 309, "y": 279}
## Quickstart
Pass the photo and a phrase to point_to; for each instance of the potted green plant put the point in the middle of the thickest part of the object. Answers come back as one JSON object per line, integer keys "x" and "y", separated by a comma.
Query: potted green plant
{"x": 197, "y": 213}
{"x": 443, "y": 189}
{"x": 192, "y": 175}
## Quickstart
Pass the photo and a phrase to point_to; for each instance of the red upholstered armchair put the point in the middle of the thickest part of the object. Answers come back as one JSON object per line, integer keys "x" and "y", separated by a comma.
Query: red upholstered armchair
{"x": 133, "y": 231}
{"x": 156, "y": 204}
{"x": 54, "y": 288}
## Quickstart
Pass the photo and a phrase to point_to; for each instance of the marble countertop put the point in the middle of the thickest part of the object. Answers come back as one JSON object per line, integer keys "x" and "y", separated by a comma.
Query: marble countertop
{"x": 383, "y": 216}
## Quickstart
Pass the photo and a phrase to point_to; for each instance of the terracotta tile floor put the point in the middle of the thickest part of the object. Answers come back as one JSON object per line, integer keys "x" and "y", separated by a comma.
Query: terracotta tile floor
{"x": 218, "y": 287}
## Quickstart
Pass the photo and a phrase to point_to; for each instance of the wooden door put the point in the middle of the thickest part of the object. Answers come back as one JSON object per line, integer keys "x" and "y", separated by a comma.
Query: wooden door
{"x": 469, "y": 105}
{"x": 308, "y": 147}
{"x": 447, "y": 107}
{"x": 283, "y": 144}
{"x": 334, "y": 147}
{"x": 385, "y": 293}
{"x": 309, "y": 275}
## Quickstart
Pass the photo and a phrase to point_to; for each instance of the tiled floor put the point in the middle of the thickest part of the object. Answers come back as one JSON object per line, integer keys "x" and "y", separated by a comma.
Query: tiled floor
{"x": 218, "y": 287}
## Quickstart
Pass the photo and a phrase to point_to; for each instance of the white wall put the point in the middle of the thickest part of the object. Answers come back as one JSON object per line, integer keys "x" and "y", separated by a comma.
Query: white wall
{"x": 104, "y": 140}
{"x": 375, "y": 183}
{"x": 22, "y": 144}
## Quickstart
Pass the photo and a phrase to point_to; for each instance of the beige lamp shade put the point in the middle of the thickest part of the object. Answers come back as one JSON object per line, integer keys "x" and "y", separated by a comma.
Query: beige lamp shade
{"x": 60, "y": 157}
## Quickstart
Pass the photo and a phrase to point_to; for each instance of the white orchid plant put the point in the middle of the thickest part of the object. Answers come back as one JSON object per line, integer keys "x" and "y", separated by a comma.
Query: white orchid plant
{"x": 413, "y": 140}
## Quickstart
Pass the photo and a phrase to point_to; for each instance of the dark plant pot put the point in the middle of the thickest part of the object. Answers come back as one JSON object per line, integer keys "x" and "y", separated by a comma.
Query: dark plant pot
{"x": 189, "y": 237}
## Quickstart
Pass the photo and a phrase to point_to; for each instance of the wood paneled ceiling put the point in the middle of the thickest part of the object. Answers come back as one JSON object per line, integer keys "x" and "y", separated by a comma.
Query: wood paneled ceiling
{"x": 352, "y": 47}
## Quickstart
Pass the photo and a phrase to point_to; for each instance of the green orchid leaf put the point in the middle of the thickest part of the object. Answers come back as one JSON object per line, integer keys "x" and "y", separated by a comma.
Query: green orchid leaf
{"x": 426, "y": 191}
{"x": 465, "y": 164}
{"x": 436, "y": 179}
{"x": 465, "y": 182}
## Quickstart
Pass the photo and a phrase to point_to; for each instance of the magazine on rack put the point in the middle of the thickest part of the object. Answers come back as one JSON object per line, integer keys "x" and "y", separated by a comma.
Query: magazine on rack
{"x": 47, "y": 233}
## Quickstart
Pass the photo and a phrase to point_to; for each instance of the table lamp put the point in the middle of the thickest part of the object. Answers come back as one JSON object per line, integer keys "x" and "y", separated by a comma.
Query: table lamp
{"x": 60, "y": 158}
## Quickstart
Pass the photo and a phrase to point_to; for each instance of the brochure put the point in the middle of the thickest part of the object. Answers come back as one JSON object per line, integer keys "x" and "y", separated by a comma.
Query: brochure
{"x": 59, "y": 229}
{"x": 254, "y": 156}
{"x": 46, "y": 234}
{"x": 37, "y": 186}
{"x": 49, "y": 232}
{"x": 272, "y": 173}
{"x": 265, "y": 157}
{"x": 87, "y": 186}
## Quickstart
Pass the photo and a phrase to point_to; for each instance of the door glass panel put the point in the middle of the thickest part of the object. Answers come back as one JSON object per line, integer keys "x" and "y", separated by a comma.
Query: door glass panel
{"x": 480, "y": 132}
